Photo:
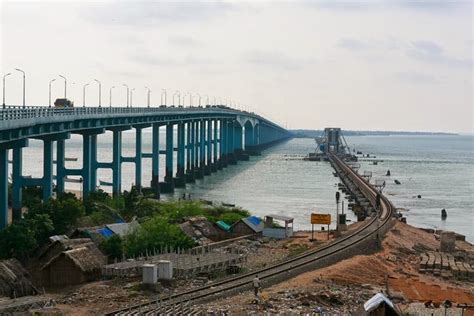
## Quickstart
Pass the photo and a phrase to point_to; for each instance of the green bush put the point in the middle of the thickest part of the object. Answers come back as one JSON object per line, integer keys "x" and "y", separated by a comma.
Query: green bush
{"x": 112, "y": 247}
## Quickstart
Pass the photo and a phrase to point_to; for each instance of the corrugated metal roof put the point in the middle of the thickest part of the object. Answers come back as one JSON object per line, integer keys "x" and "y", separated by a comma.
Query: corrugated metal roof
{"x": 106, "y": 232}
{"x": 254, "y": 223}
{"x": 281, "y": 217}
{"x": 122, "y": 229}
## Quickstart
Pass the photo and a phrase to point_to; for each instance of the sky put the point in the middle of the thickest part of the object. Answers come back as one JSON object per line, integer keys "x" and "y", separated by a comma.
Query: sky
{"x": 359, "y": 65}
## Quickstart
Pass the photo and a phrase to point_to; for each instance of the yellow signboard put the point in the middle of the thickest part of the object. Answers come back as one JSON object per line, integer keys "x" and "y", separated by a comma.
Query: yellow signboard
{"x": 324, "y": 219}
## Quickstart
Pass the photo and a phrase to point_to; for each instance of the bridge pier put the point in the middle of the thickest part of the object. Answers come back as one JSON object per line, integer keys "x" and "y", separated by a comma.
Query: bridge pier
{"x": 215, "y": 160}
{"x": 223, "y": 145}
{"x": 117, "y": 162}
{"x": 155, "y": 160}
{"x": 17, "y": 183}
{"x": 180, "y": 180}
{"x": 3, "y": 187}
{"x": 208, "y": 168}
{"x": 168, "y": 185}
{"x": 199, "y": 150}
{"x": 191, "y": 154}
{"x": 230, "y": 143}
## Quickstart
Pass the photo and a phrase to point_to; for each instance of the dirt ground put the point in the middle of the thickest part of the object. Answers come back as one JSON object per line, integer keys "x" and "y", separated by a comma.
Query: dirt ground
{"x": 393, "y": 270}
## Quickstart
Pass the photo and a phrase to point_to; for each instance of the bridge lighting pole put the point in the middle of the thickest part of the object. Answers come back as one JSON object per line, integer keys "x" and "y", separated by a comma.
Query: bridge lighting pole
{"x": 24, "y": 80}
{"x": 4, "y": 76}
{"x": 190, "y": 99}
{"x": 110, "y": 96}
{"x": 207, "y": 100}
{"x": 131, "y": 97}
{"x": 50, "y": 82}
{"x": 199, "y": 98}
{"x": 163, "y": 93}
{"x": 128, "y": 91}
{"x": 84, "y": 95}
{"x": 100, "y": 92}
{"x": 148, "y": 96}
{"x": 65, "y": 85}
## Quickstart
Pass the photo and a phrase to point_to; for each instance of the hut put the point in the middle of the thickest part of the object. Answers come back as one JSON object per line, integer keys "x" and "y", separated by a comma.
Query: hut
{"x": 201, "y": 230}
{"x": 69, "y": 262}
{"x": 274, "y": 230}
{"x": 247, "y": 226}
{"x": 101, "y": 233}
{"x": 14, "y": 280}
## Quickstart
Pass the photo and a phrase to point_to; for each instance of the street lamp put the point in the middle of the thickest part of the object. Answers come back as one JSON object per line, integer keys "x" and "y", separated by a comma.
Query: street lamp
{"x": 110, "y": 96}
{"x": 8, "y": 74}
{"x": 148, "y": 96}
{"x": 207, "y": 100}
{"x": 65, "y": 85}
{"x": 179, "y": 97}
{"x": 199, "y": 98}
{"x": 163, "y": 93}
{"x": 128, "y": 91}
{"x": 50, "y": 82}
{"x": 131, "y": 96}
{"x": 24, "y": 79}
{"x": 100, "y": 92}
{"x": 190, "y": 99}
{"x": 84, "y": 95}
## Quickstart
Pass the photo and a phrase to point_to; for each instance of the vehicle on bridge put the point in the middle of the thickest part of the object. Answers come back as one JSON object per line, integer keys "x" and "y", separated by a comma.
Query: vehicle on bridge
{"x": 63, "y": 103}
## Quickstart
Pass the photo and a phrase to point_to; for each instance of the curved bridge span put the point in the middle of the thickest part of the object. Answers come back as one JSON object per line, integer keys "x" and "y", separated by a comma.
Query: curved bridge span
{"x": 207, "y": 139}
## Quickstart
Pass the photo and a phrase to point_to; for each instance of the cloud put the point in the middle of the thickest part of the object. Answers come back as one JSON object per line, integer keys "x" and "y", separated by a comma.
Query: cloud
{"x": 426, "y": 6}
{"x": 413, "y": 77}
{"x": 273, "y": 59}
{"x": 353, "y": 44}
{"x": 187, "y": 60}
{"x": 184, "y": 41}
{"x": 431, "y": 52}
{"x": 151, "y": 14}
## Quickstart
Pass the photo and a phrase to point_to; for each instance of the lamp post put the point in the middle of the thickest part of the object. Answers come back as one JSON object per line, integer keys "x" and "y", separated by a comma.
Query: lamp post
{"x": 207, "y": 100}
{"x": 131, "y": 96}
{"x": 65, "y": 85}
{"x": 50, "y": 82}
{"x": 179, "y": 97}
{"x": 4, "y": 76}
{"x": 84, "y": 95}
{"x": 190, "y": 99}
{"x": 148, "y": 96}
{"x": 24, "y": 81}
{"x": 163, "y": 93}
{"x": 199, "y": 98}
{"x": 110, "y": 96}
{"x": 128, "y": 91}
{"x": 100, "y": 92}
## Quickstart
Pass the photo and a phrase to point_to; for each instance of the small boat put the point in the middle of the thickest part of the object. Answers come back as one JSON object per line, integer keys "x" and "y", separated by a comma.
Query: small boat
{"x": 397, "y": 182}
{"x": 444, "y": 214}
{"x": 228, "y": 205}
{"x": 105, "y": 183}
{"x": 388, "y": 173}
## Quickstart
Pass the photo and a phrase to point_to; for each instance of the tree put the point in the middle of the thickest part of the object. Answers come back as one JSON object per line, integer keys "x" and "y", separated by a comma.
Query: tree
{"x": 112, "y": 247}
{"x": 64, "y": 211}
{"x": 156, "y": 233}
{"x": 41, "y": 225}
{"x": 17, "y": 240}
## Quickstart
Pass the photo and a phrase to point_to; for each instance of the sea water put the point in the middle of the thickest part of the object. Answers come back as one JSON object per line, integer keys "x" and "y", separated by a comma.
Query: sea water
{"x": 439, "y": 168}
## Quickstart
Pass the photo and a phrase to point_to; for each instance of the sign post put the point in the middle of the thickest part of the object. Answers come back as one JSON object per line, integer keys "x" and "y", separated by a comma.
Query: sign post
{"x": 322, "y": 219}
{"x": 338, "y": 196}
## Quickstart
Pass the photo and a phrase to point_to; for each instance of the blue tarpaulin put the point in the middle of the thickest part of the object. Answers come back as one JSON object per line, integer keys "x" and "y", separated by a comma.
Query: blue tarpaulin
{"x": 223, "y": 226}
{"x": 105, "y": 232}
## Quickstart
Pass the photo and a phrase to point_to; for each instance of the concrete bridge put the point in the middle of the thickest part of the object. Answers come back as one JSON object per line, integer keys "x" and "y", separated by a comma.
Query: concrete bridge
{"x": 208, "y": 139}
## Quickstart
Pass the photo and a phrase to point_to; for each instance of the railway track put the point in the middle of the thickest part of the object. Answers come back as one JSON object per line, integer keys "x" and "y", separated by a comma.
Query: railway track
{"x": 180, "y": 303}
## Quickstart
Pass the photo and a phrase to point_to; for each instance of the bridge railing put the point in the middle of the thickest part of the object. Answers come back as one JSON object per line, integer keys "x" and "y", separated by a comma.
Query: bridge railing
{"x": 29, "y": 112}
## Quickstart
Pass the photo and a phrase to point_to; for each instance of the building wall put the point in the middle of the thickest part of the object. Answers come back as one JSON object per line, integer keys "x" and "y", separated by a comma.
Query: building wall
{"x": 241, "y": 229}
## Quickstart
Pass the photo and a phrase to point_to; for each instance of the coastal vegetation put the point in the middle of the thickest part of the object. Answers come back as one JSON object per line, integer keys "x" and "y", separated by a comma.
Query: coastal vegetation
{"x": 159, "y": 221}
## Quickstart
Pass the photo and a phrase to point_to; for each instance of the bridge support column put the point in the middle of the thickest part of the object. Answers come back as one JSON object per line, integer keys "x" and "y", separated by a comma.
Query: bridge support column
{"x": 138, "y": 159}
{"x": 155, "y": 160}
{"x": 47, "y": 169}
{"x": 207, "y": 170}
{"x": 60, "y": 166}
{"x": 117, "y": 162}
{"x": 191, "y": 152}
{"x": 3, "y": 187}
{"x": 168, "y": 185}
{"x": 93, "y": 183}
{"x": 86, "y": 165}
{"x": 239, "y": 152}
{"x": 17, "y": 183}
{"x": 199, "y": 152}
{"x": 230, "y": 144}
{"x": 180, "y": 180}
{"x": 223, "y": 144}
{"x": 214, "y": 147}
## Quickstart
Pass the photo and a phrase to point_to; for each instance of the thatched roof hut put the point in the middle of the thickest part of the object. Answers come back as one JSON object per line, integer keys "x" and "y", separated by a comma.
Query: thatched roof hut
{"x": 14, "y": 279}
{"x": 69, "y": 261}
